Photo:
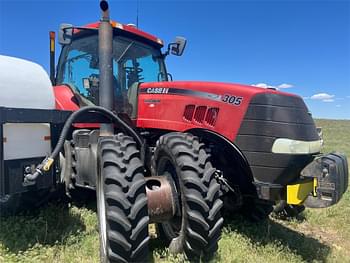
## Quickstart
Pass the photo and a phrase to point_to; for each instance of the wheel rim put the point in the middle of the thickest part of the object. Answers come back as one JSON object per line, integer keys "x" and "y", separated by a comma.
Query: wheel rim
{"x": 102, "y": 215}
{"x": 174, "y": 226}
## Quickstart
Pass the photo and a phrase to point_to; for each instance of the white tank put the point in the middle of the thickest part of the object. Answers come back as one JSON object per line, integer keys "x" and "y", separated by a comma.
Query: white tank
{"x": 24, "y": 84}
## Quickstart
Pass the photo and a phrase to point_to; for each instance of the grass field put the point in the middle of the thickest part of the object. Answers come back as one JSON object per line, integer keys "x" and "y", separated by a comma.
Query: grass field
{"x": 69, "y": 234}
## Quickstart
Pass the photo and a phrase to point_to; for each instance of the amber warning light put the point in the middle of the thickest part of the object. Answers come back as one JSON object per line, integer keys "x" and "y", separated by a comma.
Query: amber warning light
{"x": 52, "y": 57}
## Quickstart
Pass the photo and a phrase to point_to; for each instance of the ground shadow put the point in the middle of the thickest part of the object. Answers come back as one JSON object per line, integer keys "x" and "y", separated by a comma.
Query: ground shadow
{"x": 81, "y": 197}
{"x": 49, "y": 225}
{"x": 55, "y": 224}
{"x": 270, "y": 231}
{"x": 263, "y": 233}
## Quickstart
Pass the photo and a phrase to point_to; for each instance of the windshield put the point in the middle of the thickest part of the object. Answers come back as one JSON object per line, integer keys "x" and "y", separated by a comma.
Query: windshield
{"x": 133, "y": 63}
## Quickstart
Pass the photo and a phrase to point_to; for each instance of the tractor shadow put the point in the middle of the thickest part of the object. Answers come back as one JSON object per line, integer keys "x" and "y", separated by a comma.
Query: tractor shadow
{"x": 262, "y": 234}
{"x": 52, "y": 224}
{"x": 272, "y": 232}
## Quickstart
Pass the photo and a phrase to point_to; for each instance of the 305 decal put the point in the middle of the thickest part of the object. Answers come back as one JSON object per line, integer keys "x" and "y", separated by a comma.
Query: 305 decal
{"x": 233, "y": 100}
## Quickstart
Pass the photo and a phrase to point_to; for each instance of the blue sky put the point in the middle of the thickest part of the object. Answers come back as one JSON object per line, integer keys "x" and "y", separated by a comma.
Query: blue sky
{"x": 302, "y": 47}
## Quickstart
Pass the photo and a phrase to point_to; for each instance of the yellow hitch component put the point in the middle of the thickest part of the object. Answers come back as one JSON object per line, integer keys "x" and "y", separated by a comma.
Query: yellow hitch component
{"x": 297, "y": 193}
{"x": 314, "y": 192}
{"x": 48, "y": 164}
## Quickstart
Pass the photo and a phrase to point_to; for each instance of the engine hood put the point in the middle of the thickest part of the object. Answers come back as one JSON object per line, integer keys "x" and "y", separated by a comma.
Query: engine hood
{"x": 214, "y": 88}
{"x": 184, "y": 105}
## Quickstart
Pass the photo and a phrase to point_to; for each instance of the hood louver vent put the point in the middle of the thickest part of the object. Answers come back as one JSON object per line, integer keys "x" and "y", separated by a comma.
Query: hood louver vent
{"x": 201, "y": 114}
{"x": 212, "y": 115}
{"x": 188, "y": 114}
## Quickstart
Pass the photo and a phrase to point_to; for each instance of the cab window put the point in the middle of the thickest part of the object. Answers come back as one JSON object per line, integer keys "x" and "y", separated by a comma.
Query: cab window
{"x": 133, "y": 63}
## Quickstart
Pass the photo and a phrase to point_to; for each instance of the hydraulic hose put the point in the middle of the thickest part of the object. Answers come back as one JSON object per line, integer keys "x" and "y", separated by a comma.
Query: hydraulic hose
{"x": 45, "y": 165}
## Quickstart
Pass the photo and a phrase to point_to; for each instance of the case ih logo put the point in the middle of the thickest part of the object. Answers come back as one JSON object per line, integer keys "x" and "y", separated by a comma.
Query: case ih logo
{"x": 157, "y": 90}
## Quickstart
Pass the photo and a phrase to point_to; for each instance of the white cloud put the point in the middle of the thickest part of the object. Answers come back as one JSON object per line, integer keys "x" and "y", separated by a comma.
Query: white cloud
{"x": 263, "y": 85}
{"x": 285, "y": 86}
{"x": 267, "y": 86}
{"x": 325, "y": 97}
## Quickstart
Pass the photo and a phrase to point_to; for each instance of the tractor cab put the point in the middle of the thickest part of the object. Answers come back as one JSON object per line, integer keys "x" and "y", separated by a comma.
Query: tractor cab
{"x": 136, "y": 57}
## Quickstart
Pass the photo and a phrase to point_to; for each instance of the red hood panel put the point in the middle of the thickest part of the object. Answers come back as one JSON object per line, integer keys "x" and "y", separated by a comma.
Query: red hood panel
{"x": 162, "y": 105}
{"x": 214, "y": 87}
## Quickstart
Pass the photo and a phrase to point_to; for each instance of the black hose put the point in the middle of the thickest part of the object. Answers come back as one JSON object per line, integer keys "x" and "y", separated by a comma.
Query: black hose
{"x": 46, "y": 164}
{"x": 100, "y": 110}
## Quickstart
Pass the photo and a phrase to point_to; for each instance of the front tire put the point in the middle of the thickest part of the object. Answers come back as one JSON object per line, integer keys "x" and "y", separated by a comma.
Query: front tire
{"x": 196, "y": 227}
{"x": 121, "y": 201}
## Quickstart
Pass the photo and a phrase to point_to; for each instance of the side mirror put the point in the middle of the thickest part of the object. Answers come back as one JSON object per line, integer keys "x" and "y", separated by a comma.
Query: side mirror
{"x": 65, "y": 34}
{"x": 178, "y": 47}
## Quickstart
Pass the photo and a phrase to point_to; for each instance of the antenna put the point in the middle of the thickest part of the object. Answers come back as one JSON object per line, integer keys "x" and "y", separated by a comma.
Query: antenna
{"x": 137, "y": 13}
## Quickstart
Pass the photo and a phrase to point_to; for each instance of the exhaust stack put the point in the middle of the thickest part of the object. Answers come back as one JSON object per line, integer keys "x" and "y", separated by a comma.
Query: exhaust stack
{"x": 105, "y": 49}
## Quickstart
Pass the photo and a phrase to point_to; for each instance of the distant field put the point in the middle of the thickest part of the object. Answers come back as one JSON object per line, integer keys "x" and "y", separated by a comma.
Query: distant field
{"x": 69, "y": 234}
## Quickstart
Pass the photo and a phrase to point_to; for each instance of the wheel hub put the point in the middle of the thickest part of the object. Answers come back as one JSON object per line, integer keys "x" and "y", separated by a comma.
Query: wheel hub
{"x": 162, "y": 198}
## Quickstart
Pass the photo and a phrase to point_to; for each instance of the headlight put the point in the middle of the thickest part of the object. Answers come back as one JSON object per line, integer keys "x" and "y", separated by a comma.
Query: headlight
{"x": 289, "y": 146}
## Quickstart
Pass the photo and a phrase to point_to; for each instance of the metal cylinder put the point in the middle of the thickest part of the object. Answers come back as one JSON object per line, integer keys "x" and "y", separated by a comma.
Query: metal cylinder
{"x": 105, "y": 49}
{"x": 161, "y": 198}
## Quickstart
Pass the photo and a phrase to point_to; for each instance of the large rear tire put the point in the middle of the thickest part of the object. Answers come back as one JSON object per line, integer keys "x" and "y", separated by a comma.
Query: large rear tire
{"x": 121, "y": 201}
{"x": 196, "y": 226}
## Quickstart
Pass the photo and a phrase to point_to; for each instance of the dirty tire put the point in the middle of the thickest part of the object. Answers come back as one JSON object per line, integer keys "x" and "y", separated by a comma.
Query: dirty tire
{"x": 121, "y": 201}
{"x": 256, "y": 210}
{"x": 196, "y": 227}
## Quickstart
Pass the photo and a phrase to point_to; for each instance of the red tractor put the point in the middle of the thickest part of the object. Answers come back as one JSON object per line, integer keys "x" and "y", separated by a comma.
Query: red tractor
{"x": 162, "y": 151}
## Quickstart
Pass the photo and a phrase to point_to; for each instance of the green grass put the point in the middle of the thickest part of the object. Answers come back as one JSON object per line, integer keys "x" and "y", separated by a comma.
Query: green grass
{"x": 60, "y": 233}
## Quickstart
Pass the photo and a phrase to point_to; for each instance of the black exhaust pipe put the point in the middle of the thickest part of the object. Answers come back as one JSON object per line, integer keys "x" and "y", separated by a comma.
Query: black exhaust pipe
{"x": 105, "y": 49}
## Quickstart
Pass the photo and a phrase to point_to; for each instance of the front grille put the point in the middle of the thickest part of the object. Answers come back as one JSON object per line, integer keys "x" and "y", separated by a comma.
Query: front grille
{"x": 269, "y": 117}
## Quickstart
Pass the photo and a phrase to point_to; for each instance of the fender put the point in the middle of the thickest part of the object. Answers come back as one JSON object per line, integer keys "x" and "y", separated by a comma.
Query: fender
{"x": 235, "y": 153}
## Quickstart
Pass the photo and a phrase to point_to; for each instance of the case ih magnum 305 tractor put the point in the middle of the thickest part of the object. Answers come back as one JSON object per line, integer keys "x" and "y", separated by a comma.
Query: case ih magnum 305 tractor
{"x": 155, "y": 150}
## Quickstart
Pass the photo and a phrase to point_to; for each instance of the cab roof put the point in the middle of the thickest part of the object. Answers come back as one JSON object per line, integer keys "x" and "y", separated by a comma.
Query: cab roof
{"x": 128, "y": 28}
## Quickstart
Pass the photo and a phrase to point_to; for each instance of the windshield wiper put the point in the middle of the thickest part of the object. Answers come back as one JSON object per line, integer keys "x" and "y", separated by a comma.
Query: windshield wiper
{"x": 124, "y": 52}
